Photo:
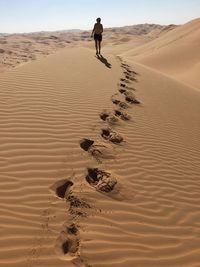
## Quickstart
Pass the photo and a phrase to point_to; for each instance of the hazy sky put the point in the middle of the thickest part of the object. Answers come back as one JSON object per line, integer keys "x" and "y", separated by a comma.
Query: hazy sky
{"x": 37, "y": 15}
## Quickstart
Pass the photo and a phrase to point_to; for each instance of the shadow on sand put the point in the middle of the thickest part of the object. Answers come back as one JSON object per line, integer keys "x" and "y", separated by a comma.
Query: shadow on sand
{"x": 104, "y": 61}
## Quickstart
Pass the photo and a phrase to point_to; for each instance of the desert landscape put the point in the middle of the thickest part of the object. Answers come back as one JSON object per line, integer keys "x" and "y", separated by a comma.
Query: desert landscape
{"x": 100, "y": 156}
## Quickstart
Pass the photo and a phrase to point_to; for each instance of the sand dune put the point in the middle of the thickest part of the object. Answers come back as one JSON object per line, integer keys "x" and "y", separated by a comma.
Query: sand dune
{"x": 46, "y": 108}
{"x": 175, "y": 53}
{"x": 16, "y": 49}
{"x": 99, "y": 164}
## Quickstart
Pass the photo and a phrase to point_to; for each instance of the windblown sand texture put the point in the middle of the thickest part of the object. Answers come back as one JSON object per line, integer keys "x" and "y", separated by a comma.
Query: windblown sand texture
{"x": 99, "y": 162}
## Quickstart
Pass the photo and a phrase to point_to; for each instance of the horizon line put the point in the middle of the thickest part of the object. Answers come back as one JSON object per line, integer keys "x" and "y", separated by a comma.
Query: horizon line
{"x": 81, "y": 30}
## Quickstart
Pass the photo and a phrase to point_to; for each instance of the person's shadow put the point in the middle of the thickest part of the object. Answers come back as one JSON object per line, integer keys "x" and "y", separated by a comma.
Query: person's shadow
{"x": 104, "y": 61}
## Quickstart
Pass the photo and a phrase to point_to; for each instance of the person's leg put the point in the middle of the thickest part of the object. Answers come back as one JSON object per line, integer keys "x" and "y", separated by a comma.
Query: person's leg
{"x": 96, "y": 46}
{"x": 100, "y": 47}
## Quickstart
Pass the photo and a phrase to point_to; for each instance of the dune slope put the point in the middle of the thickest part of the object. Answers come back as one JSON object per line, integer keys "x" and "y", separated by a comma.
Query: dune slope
{"x": 146, "y": 210}
{"x": 175, "y": 53}
{"x": 46, "y": 108}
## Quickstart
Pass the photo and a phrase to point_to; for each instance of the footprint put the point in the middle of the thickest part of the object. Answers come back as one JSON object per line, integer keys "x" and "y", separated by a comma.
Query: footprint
{"x": 132, "y": 99}
{"x": 128, "y": 69}
{"x": 67, "y": 245}
{"x": 128, "y": 72}
{"x": 77, "y": 206}
{"x": 123, "y": 85}
{"x": 85, "y": 144}
{"x": 120, "y": 103}
{"x": 111, "y": 119}
{"x": 62, "y": 188}
{"x": 126, "y": 92}
{"x": 122, "y": 91}
{"x": 129, "y": 96}
{"x": 95, "y": 149}
{"x": 111, "y": 136}
{"x": 104, "y": 116}
{"x": 101, "y": 180}
{"x": 132, "y": 72}
{"x": 124, "y": 80}
{"x": 72, "y": 229}
{"x": 123, "y": 65}
{"x": 122, "y": 115}
{"x": 128, "y": 77}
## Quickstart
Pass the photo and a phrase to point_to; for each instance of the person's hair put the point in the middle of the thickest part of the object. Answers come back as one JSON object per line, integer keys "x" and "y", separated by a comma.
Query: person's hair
{"x": 98, "y": 19}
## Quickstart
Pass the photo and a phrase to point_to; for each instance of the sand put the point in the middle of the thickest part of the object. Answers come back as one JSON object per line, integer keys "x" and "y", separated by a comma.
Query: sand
{"x": 175, "y": 53}
{"x": 85, "y": 182}
{"x": 17, "y": 49}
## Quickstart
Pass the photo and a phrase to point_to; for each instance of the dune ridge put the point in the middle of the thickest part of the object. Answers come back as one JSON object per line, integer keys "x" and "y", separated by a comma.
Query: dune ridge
{"x": 17, "y": 49}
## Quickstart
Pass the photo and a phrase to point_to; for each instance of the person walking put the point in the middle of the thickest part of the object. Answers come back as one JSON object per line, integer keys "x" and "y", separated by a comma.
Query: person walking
{"x": 97, "y": 33}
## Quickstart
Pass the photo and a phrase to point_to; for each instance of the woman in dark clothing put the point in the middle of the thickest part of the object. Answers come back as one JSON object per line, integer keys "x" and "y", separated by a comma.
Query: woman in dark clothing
{"x": 97, "y": 33}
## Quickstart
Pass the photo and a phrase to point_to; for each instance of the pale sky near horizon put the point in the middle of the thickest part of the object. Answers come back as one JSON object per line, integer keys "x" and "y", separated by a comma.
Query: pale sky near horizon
{"x": 52, "y": 15}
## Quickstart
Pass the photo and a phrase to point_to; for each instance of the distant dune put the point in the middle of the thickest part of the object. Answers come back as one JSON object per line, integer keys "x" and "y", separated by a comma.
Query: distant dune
{"x": 21, "y": 48}
{"x": 175, "y": 53}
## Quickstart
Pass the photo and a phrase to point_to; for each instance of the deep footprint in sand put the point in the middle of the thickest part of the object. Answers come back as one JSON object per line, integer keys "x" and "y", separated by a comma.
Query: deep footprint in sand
{"x": 124, "y": 65}
{"x": 86, "y": 144}
{"x": 129, "y": 96}
{"x": 123, "y": 85}
{"x": 72, "y": 229}
{"x": 128, "y": 71}
{"x": 121, "y": 104}
{"x": 122, "y": 115}
{"x": 132, "y": 99}
{"x": 62, "y": 188}
{"x": 126, "y": 91}
{"x": 127, "y": 68}
{"x": 106, "y": 116}
{"x": 77, "y": 206}
{"x": 67, "y": 245}
{"x": 124, "y": 80}
{"x": 101, "y": 180}
{"x": 111, "y": 136}
{"x": 122, "y": 91}
{"x": 97, "y": 150}
{"x": 128, "y": 77}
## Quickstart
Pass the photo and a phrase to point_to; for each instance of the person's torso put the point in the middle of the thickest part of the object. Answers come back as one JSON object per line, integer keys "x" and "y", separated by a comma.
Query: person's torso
{"x": 98, "y": 28}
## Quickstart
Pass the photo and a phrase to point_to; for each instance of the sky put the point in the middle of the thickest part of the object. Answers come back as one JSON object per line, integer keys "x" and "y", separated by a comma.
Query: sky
{"x": 51, "y": 15}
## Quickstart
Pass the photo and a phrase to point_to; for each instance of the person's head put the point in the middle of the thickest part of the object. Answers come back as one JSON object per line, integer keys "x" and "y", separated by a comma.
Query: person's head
{"x": 98, "y": 20}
